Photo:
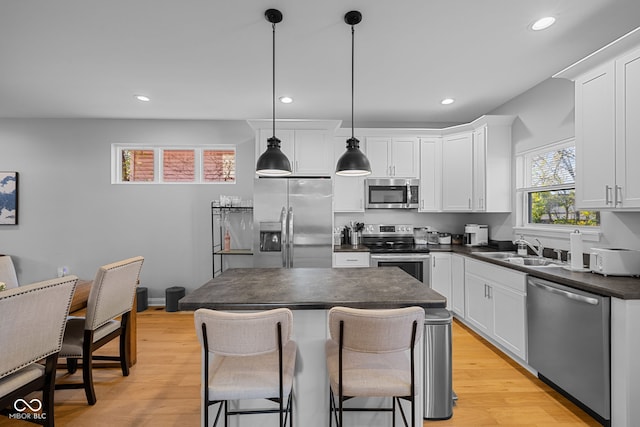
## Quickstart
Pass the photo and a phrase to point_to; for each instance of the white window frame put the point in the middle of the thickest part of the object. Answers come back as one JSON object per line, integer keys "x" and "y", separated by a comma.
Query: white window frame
{"x": 158, "y": 150}
{"x": 523, "y": 187}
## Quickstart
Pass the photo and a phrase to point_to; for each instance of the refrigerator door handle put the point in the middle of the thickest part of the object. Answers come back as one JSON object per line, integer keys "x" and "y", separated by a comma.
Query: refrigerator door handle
{"x": 283, "y": 238}
{"x": 290, "y": 236}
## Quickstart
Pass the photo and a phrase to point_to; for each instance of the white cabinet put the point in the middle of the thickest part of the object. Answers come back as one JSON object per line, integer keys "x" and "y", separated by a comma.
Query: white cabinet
{"x": 457, "y": 172}
{"x": 595, "y": 138}
{"x": 309, "y": 151}
{"x": 628, "y": 130}
{"x": 430, "y": 174}
{"x": 441, "y": 275}
{"x": 495, "y": 303}
{"x": 607, "y": 134}
{"x": 393, "y": 157}
{"x": 348, "y": 191}
{"x": 457, "y": 285}
{"x": 492, "y": 189}
{"x": 350, "y": 259}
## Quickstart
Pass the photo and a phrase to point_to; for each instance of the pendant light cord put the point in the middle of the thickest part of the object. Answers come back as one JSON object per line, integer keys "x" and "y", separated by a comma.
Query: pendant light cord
{"x": 352, "y": 79}
{"x": 273, "y": 26}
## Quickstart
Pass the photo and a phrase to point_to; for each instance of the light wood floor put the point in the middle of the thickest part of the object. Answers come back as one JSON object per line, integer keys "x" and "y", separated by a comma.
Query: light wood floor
{"x": 163, "y": 387}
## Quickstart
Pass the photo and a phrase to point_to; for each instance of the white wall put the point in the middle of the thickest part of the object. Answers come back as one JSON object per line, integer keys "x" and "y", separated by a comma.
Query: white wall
{"x": 70, "y": 214}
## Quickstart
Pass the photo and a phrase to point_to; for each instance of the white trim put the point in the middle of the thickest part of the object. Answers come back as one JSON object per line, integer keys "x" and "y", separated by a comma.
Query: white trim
{"x": 589, "y": 234}
{"x": 158, "y": 158}
{"x": 547, "y": 147}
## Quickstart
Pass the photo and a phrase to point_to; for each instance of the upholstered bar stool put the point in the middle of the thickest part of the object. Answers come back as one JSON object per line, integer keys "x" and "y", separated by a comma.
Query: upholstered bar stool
{"x": 371, "y": 353}
{"x": 246, "y": 356}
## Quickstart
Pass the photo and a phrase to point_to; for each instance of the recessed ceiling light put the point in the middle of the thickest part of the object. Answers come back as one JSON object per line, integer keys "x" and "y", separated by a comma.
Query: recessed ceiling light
{"x": 447, "y": 101}
{"x": 286, "y": 99}
{"x": 142, "y": 98}
{"x": 543, "y": 23}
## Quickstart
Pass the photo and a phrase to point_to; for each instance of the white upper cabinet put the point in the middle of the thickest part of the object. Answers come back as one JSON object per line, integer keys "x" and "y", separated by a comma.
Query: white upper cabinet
{"x": 628, "y": 131}
{"x": 607, "y": 130}
{"x": 307, "y": 144}
{"x": 457, "y": 172}
{"x": 430, "y": 174}
{"x": 348, "y": 191}
{"x": 393, "y": 157}
{"x": 309, "y": 151}
{"x": 595, "y": 138}
{"x": 492, "y": 188}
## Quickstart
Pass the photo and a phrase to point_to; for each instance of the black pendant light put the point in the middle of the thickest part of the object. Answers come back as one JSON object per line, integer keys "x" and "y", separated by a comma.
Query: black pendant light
{"x": 273, "y": 161}
{"x": 353, "y": 162}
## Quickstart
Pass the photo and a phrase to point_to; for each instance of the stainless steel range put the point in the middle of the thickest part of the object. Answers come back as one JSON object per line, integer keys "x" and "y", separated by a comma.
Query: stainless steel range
{"x": 393, "y": 246}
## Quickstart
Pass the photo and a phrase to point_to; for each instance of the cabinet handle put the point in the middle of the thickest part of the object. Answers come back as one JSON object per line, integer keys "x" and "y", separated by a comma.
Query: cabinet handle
{"x": 389, "y": 171}
{"x": 297, "y": 166}
{"x": 618, "y": 201}
{"x": 489, "y": 291}
{"x": 434, "y": 261}
{"x": 607, "y": 191}
{"x": 469, "y": 203}
{"x": 394, "y": 170}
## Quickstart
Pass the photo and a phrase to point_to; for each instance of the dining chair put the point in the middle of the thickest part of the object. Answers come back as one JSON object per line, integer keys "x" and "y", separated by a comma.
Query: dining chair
{"x": 8, "y": 272}
{"x": 246, "y": 356}
{"x": 371, "y": 353}
{"x": 111, "y": 298}
{"x": 32, "y": 323}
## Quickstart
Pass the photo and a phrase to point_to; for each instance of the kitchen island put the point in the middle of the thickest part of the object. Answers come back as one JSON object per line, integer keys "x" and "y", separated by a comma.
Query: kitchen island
{"x": 310, "y": 293}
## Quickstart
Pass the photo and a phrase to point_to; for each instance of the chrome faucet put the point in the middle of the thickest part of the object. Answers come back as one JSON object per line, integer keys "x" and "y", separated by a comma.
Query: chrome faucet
{"x": 539, "y": 251}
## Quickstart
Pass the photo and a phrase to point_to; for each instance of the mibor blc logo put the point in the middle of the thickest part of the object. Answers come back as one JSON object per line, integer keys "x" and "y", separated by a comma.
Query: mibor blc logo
{"x": 28, "y": 410}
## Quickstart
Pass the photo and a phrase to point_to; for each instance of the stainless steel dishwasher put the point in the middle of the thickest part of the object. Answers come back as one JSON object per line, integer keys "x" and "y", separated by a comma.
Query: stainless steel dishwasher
{"x": 569, "y": 345}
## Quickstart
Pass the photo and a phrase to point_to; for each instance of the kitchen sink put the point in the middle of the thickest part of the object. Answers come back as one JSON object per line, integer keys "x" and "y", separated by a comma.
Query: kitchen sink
{"x": 513, "y": 258}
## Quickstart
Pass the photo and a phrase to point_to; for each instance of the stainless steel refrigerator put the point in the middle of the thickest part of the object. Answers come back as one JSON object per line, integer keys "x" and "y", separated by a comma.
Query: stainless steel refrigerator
{"x": 292, "y": 222}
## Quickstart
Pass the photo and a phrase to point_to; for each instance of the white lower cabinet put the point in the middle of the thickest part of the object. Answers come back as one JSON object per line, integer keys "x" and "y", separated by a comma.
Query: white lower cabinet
{"x": 350, "y": 259}
{"x": 495, "y": 304}
{"x": 441, "y": 275}
{"x": 457, "y": 285}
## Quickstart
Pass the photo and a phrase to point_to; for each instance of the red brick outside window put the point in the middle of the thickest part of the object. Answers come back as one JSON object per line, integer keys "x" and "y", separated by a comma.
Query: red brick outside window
{"x": 178, "y": 165}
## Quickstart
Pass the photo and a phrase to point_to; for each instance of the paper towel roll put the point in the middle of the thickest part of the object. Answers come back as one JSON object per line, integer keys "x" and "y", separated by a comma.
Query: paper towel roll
{"x": 575, "y": 246}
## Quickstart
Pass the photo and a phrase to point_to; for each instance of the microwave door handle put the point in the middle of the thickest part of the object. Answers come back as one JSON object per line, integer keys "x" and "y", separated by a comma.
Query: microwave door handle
{"x": 283, "y": 237}
{"x": 290, "y": 235}
{"x": 408, "y": 193}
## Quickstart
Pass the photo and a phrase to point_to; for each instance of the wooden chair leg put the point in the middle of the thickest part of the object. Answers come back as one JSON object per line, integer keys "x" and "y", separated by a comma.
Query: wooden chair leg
{"x": 72, "y": 365}
{"x": 49, "y": 389}
{"x": 87, "y": 376}
{"x": 124, "y": 353}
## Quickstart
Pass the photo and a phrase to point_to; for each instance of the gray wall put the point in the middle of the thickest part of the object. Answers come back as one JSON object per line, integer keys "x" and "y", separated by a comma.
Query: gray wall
{"x": 71, "y": 215}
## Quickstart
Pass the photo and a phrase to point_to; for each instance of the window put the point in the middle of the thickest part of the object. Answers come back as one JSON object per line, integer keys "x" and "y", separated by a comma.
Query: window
{"x": 547, "y": 188}
{"x": 168, "y": 165}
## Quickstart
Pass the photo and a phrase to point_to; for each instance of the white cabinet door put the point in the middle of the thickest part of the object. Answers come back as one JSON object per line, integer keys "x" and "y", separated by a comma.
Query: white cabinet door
{"x": 627, "y": 191}
{"x": 509, "y": 322}
{"x": 595, "y": 136}
{"x": 348, "y": 191}
{"x": 457, "y": 285}
{"x": 441, "y": 275}
{"x": 430, "y": 174}
{"x": 313, "y": 153}
{"x": 404, "y": 157}
{"x": 478, "y": 306}
{"x": 457, "y": 172}
{"x": 378, "y": 155}
{"x": 479, "y": 169}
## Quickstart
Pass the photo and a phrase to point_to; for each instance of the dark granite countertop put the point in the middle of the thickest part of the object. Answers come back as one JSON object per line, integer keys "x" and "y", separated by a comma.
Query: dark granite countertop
{"x": 611, "y": 286}
{"x": 311, "y": 288}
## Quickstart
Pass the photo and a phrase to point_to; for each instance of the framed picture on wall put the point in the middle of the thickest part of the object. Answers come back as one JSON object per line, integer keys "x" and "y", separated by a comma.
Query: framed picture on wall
{"x": 8, "y": 198}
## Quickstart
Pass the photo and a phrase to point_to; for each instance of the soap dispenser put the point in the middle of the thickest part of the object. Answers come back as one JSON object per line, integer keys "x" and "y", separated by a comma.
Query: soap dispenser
{"x": 522, "y": 247}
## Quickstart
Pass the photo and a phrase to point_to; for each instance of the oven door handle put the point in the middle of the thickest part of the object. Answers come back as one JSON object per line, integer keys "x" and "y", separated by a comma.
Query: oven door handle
{"x": 401, "y": 257}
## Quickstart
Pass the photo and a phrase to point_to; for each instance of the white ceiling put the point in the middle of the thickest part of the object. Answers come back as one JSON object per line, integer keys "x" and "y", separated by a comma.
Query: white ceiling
{"x": 211, "y": 59}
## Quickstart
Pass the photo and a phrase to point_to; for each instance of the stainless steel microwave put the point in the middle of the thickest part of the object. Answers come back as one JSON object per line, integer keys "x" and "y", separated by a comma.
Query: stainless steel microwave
{"x": 392, "y": 193}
